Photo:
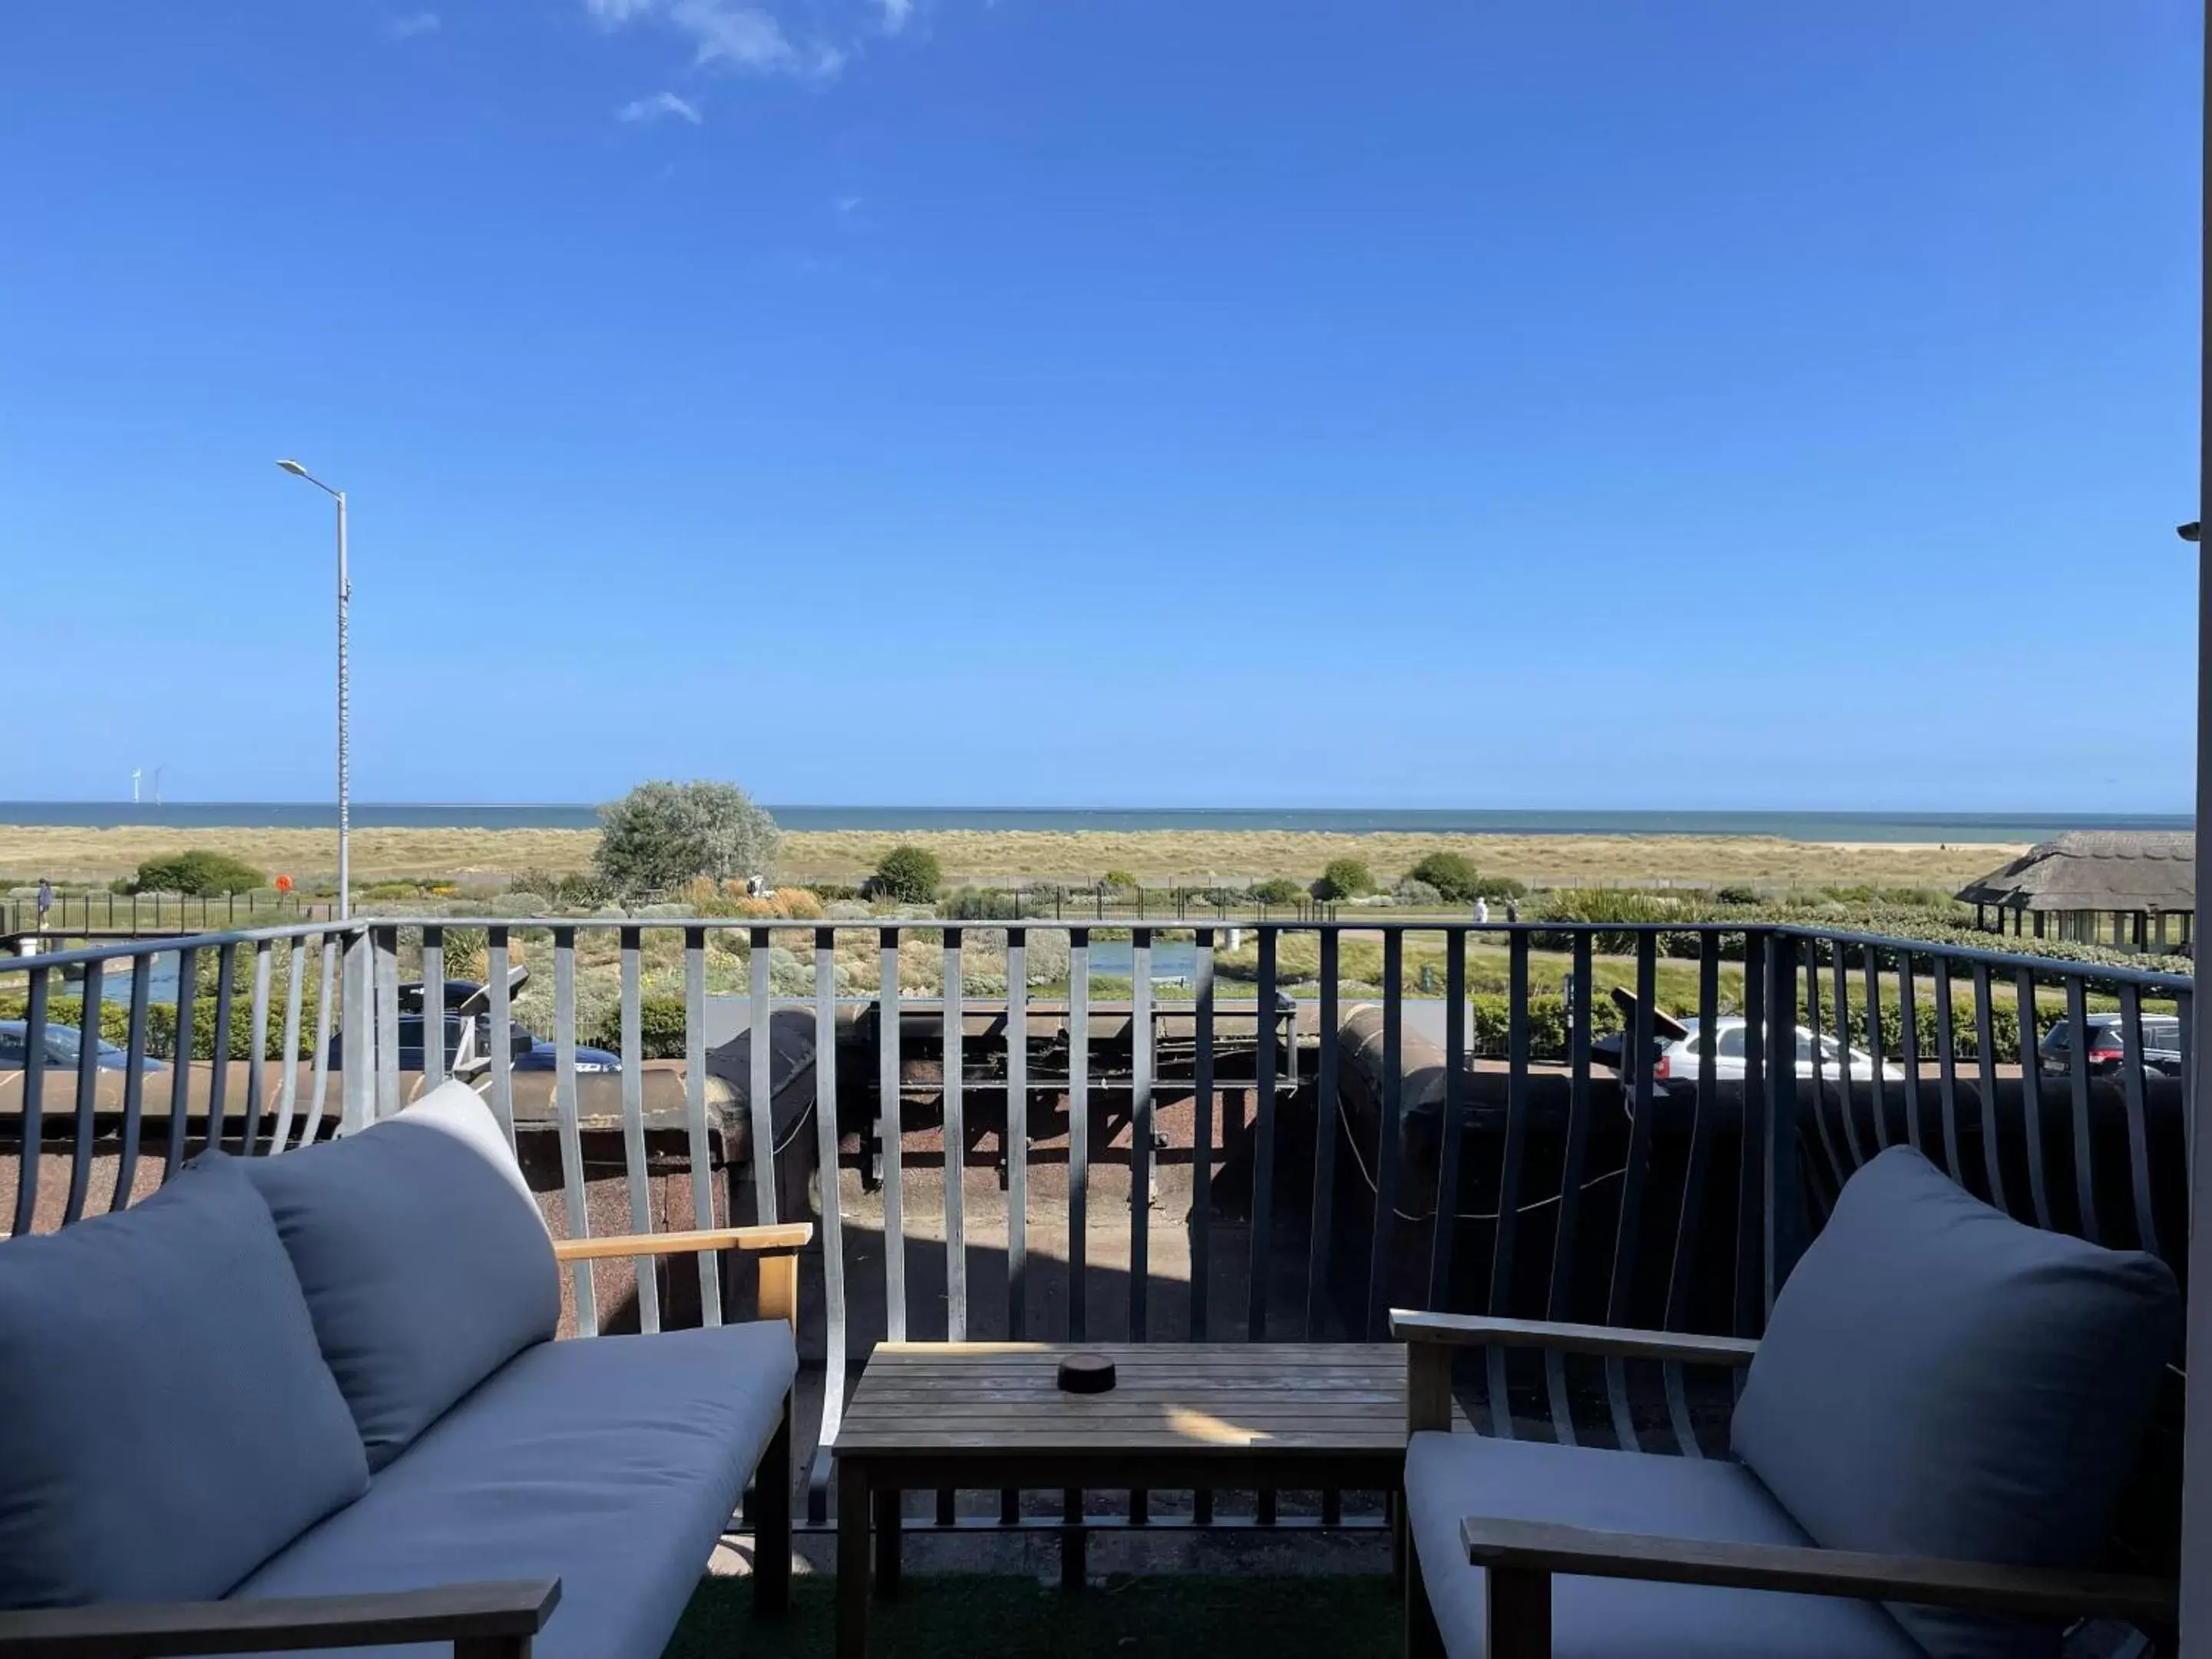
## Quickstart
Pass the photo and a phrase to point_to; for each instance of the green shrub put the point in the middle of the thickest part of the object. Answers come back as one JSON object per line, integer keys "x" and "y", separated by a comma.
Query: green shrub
{"x": 835, "y": 892}
{"x": 197, "y": 874}
{"x": 980, "y": 904}
{"x": 1499, "y": 887}
{"x": 662, "y": 835}
{"x": 1276, "y": 890}
{"x": 1344, "y": 879}
{"x": 1737, "y": 896}
{"x": 1412, "y": 891}
{"x": 1120, "y": 878}
{"x": 659, "y": 1028}
{"x": 1452, "y": 874}
{"x": 1549, "y": 1028}
{"x": 910, "y": 874}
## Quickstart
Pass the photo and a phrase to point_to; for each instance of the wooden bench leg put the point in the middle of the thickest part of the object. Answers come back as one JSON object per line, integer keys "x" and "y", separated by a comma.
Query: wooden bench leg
{"x": 1519, "y": 1610}
{"x": 852, "y": 1508}
{"x": 772, "y": 1523}
{"x": 888, "y": 1523}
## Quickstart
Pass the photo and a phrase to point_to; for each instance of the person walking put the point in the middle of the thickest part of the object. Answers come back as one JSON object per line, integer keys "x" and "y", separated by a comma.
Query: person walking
{"x": 45, "y": 901}
{"x": 1481, "y": 912}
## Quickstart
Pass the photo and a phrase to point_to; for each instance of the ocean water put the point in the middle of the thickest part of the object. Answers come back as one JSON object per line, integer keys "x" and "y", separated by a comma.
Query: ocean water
{"x": 1954, "y": 826}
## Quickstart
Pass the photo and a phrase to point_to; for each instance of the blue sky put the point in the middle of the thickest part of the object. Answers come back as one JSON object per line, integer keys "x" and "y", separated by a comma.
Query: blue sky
{"x": 1717, "y": 403}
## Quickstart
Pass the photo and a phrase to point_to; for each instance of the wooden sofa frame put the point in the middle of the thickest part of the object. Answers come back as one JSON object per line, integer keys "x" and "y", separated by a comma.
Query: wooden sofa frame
{"x": 1522, "y": 1556}
{"x": 494, "y": 1620}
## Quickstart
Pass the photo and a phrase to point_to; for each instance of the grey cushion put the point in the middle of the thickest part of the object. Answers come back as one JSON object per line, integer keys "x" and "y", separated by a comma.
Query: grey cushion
{"x": 166, "y": 1421}
{"x": 1938, "y": 1379}
{"x": 425, "y": 1267}
{"x": 613, "y": 1463}
{"x": 1449, "y": 1476}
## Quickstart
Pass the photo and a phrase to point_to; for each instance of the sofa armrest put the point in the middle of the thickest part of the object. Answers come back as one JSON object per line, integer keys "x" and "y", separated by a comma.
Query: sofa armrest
{"x": 777, "y": 1244}
{"x": 1522, "y": 1556}
{"x": 1475, "y": 1331}
{"x": 482, "y": 1621}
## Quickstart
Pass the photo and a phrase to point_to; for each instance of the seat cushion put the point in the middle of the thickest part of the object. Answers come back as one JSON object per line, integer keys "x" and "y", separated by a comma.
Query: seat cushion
{"x": 1938, "y": 1379}
{"x": 613, "y": 1463}
{"x": 166, "y": 1423}
{"x": 425, "y": 1261}
{"x": 1449, "y": 1476}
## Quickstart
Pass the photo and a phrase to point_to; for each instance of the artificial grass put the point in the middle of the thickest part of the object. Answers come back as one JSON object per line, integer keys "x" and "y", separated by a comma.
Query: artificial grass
{"x": 974, "y": 1614}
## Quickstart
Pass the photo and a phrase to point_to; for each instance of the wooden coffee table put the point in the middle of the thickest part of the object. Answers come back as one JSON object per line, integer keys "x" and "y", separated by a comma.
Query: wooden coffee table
{"x": 989, "y": 1415}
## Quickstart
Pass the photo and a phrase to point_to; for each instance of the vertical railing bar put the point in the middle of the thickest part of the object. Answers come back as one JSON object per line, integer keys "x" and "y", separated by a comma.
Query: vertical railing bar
{"x": 1263, "y": 1143}
{"x": 1201, "y": 1166}
{"x": 1840, "y": 974}
{"x": 2077, "y": 1047}
{"x": 564, "y": 1109}
{"x": 2031, "y": 1095}
{"x": 257, "y": 1062}
{"x": 1514, "y": 1154}
{"x": 632, "y": 1127}
{"x": 1870, "y": 961}
{"x": 134, "y": 1081}
{"x": 180, "y": 1082}
{"x": 760, "y": 1084}
{"x": 1812, "y": 1039}
{"x": 288, "y": 1077}
{"x": 34, "y": 1109}
{"x": 1388, "y": 1155}
{"x": 326, "y": 1001}
{"x": 1758, "y": 1045}
{"x": 832, "y": 1215}
{"x": 1078, "y": 1135}
{"x": 1636, "y": 1085}
{"x": 2131, "y": 1078}
{"x": 87, "y": 1091}
{"x": 1908, "y": 1021}
{"x": 1706, "y": 1103}
{"x": 699, "y": 1141}
{"x": 1140, "y": 1131}
{"x": 434, "y": 1007}
{"x": 499, "y": 1028}
{"x": 226, "y": 958}
{"x": 387, "y": 1020}
{"x": 1328, "y": 1128}
{"x": 1781, "y": 1194}
{"x": 1947, "y": 1068}
{"x": 1018, "y": 1133}
{"x": 954, "y": 1140}
{"x": 1559, "y": 1305}
{"x": 891, "y": 1124}
{"x": 1985, "y": 1050}
{"x": 1445, "y": 1235}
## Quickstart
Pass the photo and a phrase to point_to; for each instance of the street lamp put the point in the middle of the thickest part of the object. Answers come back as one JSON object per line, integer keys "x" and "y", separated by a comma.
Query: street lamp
{"x": 345, "y": 594}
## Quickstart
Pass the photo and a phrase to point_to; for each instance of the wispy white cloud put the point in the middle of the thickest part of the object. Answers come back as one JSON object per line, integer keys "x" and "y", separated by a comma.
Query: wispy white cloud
{"x": 729, "y": 34}
{"x": 414, "y": 23}
{"x": 660, "y": 106}
{"x": 896, "y": 14}
{"x": 846, "y": 206}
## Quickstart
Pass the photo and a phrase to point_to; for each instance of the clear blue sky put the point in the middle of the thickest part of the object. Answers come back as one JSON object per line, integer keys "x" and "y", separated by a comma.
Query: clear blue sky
{"x": 1072, "y": 402}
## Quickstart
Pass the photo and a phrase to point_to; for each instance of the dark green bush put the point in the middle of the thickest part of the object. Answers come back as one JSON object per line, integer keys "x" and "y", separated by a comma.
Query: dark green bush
{"x": 835, "y": 892}
{"x": 1120, "y": 878}
{"x": 910, "y": 874}
{"x": 1344, "y": 879}
{"x": 1549, "y": 1032}
{"x": 1276, "y": 890}
{"x": 980, "y": 904}
{"x": 662, "y": 835}
{"x": 198, "y": 874}
{"x": 1452, "y": 874}
{"x": 659, "y": 1028}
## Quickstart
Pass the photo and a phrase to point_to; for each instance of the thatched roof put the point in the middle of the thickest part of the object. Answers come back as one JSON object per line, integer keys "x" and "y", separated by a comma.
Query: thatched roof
{"x": 2096, "y": 870}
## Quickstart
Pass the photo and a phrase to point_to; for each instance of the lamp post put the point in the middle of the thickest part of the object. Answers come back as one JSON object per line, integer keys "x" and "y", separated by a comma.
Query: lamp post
{"x": 345, "y": 594}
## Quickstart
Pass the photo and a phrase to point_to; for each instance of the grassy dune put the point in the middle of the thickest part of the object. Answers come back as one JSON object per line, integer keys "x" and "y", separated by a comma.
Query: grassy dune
{"x": 1159, "y": 858}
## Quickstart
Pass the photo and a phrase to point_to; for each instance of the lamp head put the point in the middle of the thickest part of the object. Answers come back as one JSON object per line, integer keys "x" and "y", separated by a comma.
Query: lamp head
{"x": 2187, "y": 532}
{"x": 293, "y": 468}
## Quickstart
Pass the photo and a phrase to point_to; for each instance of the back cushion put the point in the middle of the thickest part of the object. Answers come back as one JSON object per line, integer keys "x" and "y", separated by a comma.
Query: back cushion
{"x": 166, "y": 1422}
{"x": 425, "y": 1261}
{"x": 1938, "y": 1379}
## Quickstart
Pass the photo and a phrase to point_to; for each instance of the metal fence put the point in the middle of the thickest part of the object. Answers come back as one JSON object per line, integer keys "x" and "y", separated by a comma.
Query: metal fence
{"x": 1239, "y": 1161}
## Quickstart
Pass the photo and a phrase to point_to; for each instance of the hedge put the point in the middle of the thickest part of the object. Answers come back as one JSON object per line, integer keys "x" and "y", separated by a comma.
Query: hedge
{"x": 161, "y": 1024}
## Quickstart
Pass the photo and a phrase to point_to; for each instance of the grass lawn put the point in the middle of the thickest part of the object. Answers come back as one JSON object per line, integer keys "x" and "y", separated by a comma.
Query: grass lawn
{"x": 969, "y": 1614}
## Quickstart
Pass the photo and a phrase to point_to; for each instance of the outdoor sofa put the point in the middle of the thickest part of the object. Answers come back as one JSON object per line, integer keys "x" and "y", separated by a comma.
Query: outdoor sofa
{"x": 312, "y": 1402}
{"x": 1929, "y": 1445}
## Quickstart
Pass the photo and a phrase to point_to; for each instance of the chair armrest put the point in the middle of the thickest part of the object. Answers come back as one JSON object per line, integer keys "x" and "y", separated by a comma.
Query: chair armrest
{"x": 1475, "y": 1331}
{"x": 1543, "y": 1548}
{"x": 777, "y": 1245}
{"x": 767, "y": 1240}
{"x": 488, "y": 1618}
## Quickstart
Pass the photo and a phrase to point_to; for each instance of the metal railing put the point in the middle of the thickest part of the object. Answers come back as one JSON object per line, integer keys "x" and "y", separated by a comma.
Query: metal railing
{"x": 1286, "y": 1146}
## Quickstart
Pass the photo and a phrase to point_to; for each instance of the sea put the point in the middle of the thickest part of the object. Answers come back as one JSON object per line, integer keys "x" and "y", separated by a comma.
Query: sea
{"x": 1934, "y": 827}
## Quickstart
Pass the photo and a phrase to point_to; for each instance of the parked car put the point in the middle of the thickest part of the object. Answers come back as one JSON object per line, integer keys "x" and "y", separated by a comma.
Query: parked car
{"x": 2162, "y": 1045}
{"x": 63, "y": 1044}
{"x": 1679, "y": 1059}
